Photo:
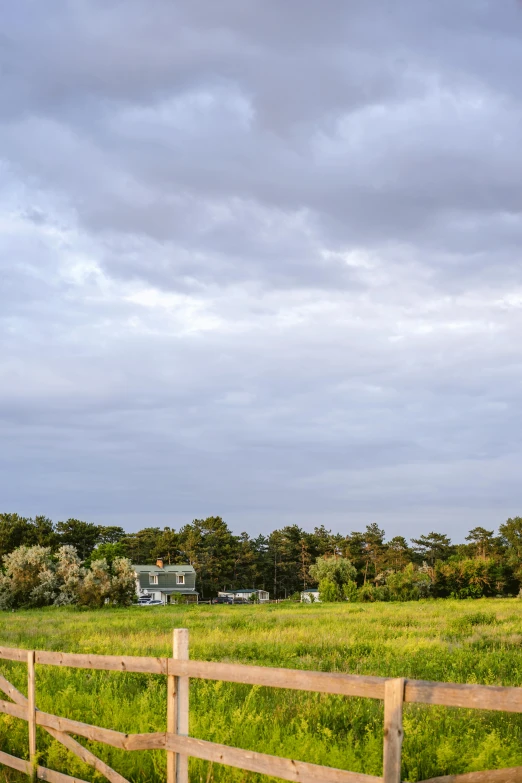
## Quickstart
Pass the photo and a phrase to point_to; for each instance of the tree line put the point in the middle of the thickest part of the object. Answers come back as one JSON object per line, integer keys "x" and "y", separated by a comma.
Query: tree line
{"x": 489, "y": 563}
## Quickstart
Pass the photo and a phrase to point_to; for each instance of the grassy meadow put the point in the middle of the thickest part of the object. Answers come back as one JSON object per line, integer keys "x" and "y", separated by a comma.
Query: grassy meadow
{"x": 457, "y": 641}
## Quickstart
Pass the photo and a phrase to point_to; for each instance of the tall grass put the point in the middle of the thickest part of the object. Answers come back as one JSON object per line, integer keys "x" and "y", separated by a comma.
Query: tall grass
{"x": 446, "y": 641}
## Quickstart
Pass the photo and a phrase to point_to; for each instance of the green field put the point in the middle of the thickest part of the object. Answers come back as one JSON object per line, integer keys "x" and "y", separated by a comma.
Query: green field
{"x": 456, "y": 641}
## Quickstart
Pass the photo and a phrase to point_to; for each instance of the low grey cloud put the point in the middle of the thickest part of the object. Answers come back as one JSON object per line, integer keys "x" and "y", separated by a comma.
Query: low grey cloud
{"x": 261, "y": 260}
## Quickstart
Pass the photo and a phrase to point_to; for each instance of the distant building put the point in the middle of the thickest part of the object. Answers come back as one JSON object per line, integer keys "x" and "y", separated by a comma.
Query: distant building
{"x": 161, "y": 582}
{"x": 245, "y": 595}
{"x": 310, "y": 596}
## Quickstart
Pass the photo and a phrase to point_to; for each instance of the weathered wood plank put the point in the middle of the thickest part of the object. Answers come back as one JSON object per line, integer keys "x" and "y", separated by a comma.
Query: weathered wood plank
{"x": 12, "y": 692}
{"x": 31, "y": 712}
{"x": 393, "y": 699}
{"x": 294, "y": 679}
{"x": 286, "y": 769}
{"x": 15, "y": 763}
{"x": 511, "y": 775}
{"x": 116, "y": 739}
{"x": 85, "y": 755}
{"x": 172, "y": 716}
{"x": 12, "y": 654}
{"x": 448, "y": 694}
{"x": 43, "y": 774}
{"x": 13, "y": 709}
{"x": 181, "y": 653}
{"x": 490, "y": 697}
{"x": 113, "y": 663}
{"x": 171, "y": 726}
{"x": 56, "y": 777}
{"x": 71, "y": 744}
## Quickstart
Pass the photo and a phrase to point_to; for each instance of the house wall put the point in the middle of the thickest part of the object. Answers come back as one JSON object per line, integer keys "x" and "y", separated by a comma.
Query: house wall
{"x": 163, "y": 597}
{"x": 305, "y": 598}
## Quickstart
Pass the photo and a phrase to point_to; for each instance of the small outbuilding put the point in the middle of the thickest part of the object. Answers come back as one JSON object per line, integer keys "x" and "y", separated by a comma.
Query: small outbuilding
{"x": 310, "y": 596}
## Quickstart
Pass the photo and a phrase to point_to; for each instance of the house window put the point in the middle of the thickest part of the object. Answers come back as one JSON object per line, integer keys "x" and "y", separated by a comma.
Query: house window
{"x": 180, "y": 579}
{"x": 153, "y": 579}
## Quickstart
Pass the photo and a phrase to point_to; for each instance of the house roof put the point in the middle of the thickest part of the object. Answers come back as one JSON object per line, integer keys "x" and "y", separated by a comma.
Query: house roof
{"x": 167, "y": 569}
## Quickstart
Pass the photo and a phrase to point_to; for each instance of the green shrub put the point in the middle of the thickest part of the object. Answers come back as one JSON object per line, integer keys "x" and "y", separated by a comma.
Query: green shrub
{"x": 329, "y": 591}
{"x": 410, "y": 584}
{"x": 469, "y": 578}
{"x": 349, "y": 591}
{"x": 367, "y": 593}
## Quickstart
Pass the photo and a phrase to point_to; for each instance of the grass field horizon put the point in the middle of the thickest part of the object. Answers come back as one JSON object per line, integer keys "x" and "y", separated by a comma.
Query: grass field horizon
{"x": 453, "y": 641}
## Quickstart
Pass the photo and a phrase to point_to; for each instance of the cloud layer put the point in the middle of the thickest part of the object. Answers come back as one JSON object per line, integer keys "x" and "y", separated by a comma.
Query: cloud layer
{"x": 262, "y": 260}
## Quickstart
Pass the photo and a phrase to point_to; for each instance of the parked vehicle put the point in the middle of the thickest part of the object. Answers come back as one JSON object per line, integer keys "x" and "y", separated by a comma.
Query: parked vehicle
{"x": 150, "y": 603}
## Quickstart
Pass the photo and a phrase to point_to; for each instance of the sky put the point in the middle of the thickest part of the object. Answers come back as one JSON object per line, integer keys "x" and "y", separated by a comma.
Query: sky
{"x": 262, "y": 260}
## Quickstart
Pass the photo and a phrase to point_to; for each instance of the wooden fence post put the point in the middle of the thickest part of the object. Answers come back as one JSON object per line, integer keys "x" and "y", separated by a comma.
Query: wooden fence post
{"x": 393, "y": 699}
{"x": 171, "y": 726}
{"x": 31, "y": 712}
{"x": 178, "y": 708}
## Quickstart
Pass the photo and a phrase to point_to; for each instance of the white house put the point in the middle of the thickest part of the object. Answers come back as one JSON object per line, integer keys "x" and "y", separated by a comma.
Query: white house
{"x": 310, "y": 596}
{"x": 261, "y": 596}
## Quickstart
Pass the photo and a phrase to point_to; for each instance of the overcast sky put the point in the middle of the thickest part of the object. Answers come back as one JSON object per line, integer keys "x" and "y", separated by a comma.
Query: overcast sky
{"x": 262, "y": 259}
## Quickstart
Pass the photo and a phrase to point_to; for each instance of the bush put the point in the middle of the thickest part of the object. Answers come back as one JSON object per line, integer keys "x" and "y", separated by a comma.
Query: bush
{"x": 123, "y": 584}
{"x": 338, "y": 570}
{"x": 409, "y": 585}
{"x": 178, "y": 598}
{"x": 350, "y": 591}
{"x": 70, "y": 575}
{"x": 29, "y": 578}
{"x": 96, "y": 586}
{"x": 468, "y": 578}
{"x": 368, "y": 593}
{"x": 329, "y": 591}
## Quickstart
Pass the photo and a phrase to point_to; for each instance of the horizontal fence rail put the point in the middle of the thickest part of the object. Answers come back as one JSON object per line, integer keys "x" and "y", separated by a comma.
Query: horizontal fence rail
{"x": 179, "y": 746}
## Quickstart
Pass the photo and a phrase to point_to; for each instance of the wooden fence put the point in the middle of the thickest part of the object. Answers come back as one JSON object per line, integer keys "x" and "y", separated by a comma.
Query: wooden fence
{"x": 179, "y": 746}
